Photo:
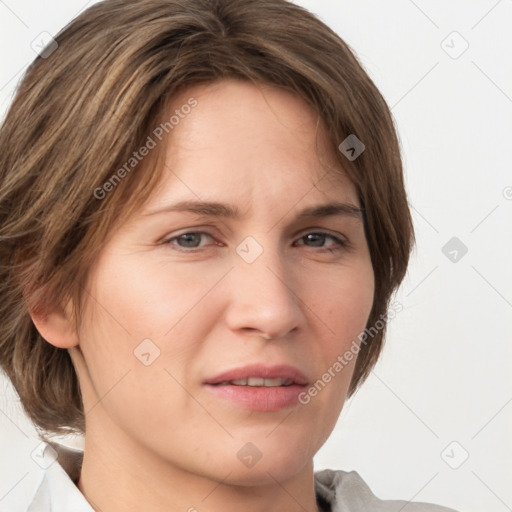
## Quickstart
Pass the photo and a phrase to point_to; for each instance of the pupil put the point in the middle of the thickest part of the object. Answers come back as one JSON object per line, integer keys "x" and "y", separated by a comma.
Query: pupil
{"x": 189, "y": 239}
{"x": 317, "y": 239}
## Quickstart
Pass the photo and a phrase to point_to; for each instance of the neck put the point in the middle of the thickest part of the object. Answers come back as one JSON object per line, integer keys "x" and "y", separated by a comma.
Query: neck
{"x": 119, "y": 474}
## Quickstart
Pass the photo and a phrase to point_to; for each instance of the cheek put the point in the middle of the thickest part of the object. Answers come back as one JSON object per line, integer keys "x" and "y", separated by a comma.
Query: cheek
{"x": 129, "y": 304}
{"x": 135, "y": 302}
{"x": 342, "y": 305}
{"x": 138, "y": 300}
{"x": 343, "y": 300}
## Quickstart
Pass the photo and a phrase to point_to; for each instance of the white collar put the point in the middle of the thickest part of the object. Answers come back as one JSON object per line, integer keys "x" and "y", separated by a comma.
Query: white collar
{"x": 54, "y": 490}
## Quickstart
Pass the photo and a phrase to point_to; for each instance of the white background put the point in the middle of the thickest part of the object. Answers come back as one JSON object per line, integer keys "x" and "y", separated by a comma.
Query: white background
{"x": 444, "y": 375}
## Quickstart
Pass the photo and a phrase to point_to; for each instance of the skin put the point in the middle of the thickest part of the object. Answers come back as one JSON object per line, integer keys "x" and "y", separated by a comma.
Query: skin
{"x": 156, "y": 438}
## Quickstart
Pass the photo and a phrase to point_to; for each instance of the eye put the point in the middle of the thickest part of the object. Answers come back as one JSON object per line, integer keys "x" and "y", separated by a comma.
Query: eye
{"x": 319, "y": 239}
{"x": 190, "y": 240}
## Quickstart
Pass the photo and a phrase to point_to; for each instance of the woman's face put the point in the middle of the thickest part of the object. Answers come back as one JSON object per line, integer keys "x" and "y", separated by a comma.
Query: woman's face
{"x": 235, "y": 246}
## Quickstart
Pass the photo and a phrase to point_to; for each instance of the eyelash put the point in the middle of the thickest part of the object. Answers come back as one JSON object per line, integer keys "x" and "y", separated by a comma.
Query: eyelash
{"x": 339, "y": 243}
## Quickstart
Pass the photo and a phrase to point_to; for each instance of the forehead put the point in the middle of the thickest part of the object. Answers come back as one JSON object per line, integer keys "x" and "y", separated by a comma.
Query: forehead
{"x": 237, "y": 114}
{"x": 246, "y": 138}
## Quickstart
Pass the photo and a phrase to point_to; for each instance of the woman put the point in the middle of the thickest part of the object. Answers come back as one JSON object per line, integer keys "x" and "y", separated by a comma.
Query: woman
{"x": 203, "y": 220}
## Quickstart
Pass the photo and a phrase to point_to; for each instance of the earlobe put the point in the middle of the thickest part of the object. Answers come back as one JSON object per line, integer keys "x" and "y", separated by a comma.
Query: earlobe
{"x": 56, "y": 326}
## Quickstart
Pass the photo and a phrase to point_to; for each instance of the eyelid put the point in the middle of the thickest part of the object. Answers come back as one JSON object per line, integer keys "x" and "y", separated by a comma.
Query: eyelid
{"x": 202, "y": 229}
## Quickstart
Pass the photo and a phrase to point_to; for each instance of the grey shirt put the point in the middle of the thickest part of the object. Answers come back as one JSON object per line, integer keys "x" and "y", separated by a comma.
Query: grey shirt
{"x": 336, "y": 491}
{"x": 341, "y": 491}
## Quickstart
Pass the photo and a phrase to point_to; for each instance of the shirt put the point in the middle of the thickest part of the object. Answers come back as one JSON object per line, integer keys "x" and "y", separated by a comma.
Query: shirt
{"x": 55, "y": 489}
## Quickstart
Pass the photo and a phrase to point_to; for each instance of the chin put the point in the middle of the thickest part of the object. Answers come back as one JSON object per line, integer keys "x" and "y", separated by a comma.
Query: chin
{"x": 265, "y": 462}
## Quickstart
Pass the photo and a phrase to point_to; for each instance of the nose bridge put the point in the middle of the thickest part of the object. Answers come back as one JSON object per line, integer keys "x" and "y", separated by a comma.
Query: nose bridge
{"x": 262, "y": 292}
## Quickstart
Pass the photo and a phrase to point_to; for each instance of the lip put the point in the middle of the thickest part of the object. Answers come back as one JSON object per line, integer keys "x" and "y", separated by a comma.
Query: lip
{"x": 259, "y": 398}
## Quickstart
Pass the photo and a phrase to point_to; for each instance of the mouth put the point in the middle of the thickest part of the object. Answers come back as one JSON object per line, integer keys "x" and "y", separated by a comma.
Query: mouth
{"x": 257, "y": 382}
{"x": 259, "y": 388}
{"x": 260, "y": 375}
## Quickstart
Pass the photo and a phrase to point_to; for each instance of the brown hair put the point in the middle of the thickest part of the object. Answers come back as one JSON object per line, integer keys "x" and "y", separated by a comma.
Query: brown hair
{"x": 85, "y": 105}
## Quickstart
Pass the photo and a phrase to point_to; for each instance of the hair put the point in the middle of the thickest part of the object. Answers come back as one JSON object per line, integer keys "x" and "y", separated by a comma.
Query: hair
{"x": 92, "y": 97}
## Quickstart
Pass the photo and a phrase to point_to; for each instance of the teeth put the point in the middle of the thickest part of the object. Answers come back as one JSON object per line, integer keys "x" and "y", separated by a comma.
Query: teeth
{"x": 259, "y": 381}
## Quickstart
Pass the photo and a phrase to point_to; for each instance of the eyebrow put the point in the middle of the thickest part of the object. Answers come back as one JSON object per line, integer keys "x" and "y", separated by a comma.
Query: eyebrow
{"x": 326, "y": 210}
{"x": 214, "y": 209}
{"x": 210, "y": 209}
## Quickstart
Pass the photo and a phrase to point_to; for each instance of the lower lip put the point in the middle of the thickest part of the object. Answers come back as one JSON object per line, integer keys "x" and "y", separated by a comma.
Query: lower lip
{"x": 259, "y": 398}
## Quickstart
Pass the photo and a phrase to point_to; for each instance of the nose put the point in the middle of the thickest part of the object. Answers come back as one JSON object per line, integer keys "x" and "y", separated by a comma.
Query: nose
{"x": 264, "y": 297}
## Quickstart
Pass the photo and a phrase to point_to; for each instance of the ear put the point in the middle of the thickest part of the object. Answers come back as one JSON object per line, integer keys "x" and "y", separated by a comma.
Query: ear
{"x": 56, "y": 326}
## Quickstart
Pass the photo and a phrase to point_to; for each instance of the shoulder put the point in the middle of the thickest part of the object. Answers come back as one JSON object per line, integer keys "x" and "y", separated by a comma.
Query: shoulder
{"x": 348, "y": 492}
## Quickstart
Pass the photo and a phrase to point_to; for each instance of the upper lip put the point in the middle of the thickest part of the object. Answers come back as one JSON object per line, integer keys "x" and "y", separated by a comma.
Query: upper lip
{"x": 283, "y": 371}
